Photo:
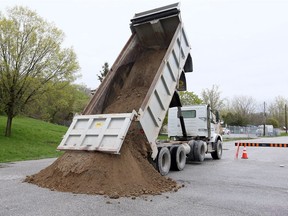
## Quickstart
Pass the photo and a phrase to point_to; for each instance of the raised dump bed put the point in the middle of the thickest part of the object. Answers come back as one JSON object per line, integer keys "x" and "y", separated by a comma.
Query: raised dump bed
{"x": 139, "y": 87}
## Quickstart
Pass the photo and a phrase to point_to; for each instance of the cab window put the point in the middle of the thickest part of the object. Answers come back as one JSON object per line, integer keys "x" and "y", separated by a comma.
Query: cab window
{"x": 189, "y": 114}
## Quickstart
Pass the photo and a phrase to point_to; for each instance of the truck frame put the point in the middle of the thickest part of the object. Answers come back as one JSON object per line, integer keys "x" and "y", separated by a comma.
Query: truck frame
{"x": 159, "y": 28}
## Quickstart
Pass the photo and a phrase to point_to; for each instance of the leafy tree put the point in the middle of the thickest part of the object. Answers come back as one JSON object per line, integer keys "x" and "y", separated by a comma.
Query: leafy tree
{"x": 213, "y": 97}
{"x": 239, "y": 111}
{"x": 272, "y": 121}
{"x": 234, "y": 119}
{"x": 243, "y": 105}
{"x": 82, "y": 95}
{"x": 1, "y": 105}
{"x": 256, "y": 118}
{"x": 31, "y": 57}
{"x": 276, "y": 110}
{"x": 186, "y": 98}
{"x": 104, "y": 72}
{"x": 189, "y": 98}
{"x": 59, "y": 105}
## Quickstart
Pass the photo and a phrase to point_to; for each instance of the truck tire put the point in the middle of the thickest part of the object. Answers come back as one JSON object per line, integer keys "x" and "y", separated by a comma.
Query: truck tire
{"x": 217, "y": 154}
{"x": 163, "y": 161}
{"x": 191, "y": 143}
{"x": 199, "y": 151}
{"x": 178, "y": 157}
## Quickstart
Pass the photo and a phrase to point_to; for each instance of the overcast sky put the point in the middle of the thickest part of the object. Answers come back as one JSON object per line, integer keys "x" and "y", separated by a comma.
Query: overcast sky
{"x": 239, "y": 45}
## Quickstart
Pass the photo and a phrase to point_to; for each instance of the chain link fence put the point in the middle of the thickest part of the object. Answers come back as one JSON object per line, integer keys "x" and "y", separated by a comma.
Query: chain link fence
{"x": 252, "y": 131}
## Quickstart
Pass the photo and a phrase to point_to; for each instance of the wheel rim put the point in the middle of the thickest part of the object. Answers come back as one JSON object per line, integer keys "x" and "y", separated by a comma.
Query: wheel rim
{"x": 165, "y": 163}
{"x": 219, "y": 149}
{"x": 182, "y": 160}
{"x": 202, "y": 150}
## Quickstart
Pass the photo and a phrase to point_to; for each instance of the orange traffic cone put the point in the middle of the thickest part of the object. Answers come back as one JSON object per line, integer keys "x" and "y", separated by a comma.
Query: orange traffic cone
{"x": 244, "y": 153}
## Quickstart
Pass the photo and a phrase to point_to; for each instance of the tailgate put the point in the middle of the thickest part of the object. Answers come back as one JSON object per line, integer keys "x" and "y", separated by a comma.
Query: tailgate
{"x": 103, "y": 132}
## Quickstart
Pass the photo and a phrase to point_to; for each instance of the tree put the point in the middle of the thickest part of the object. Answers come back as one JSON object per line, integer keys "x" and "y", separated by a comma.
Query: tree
{"x": 213, "y": 97}
{"x": 243, "y": 105}
{"x": 189, "y": 98}
{"x": 186, "y": 98}
{"x": 58, "y": 105}
{"x": 234, "y": 119}
{"x": 31, "y": 57}
{"x": 104, "y": 72}
{"x": 276, "y": 110}
{"x": 272, "y": 121}
{"x": 256, "y": 118}
{"x": 241, "y": 110}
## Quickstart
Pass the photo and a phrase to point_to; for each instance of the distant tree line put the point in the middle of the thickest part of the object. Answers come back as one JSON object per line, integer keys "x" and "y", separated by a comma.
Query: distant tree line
{"x": 244, "y": 110}
{"x": 240, "y": 110}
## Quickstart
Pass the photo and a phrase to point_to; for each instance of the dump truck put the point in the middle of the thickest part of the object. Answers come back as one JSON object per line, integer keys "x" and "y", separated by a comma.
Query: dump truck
{"x": 159, "y": 35}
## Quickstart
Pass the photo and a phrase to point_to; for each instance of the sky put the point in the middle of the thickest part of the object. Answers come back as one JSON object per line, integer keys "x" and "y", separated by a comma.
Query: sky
{"x": 239, "y": 45}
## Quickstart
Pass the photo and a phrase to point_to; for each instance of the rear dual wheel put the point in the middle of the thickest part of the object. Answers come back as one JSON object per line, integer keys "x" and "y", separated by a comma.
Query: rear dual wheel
{"x": 174, "y": 159}
{"x": 197, "y": 150}
{"x": 178, "y": 157}
{"x": 163, "y": 161}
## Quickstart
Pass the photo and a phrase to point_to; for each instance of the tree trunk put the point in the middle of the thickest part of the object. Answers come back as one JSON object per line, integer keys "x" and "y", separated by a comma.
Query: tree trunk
{"x": 8, "y": 125}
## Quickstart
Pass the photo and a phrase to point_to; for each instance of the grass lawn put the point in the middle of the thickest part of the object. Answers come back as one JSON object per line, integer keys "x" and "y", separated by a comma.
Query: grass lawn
{"x": 30, "y": 139}
{"x": 163, "y": 137}
{"x": 283, "y": 134}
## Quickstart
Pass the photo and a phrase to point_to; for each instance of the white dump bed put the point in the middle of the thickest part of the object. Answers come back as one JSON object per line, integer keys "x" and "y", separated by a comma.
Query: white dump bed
{"x": 153, "y": 112}
{"x": 160, "y": 30}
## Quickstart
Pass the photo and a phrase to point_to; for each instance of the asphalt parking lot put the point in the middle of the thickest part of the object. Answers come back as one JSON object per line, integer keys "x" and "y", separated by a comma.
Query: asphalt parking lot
{"x": 255, "y": 186}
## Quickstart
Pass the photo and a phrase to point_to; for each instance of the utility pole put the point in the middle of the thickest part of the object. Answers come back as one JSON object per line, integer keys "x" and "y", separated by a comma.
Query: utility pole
{"x": 286, "y": 118}
{"x": 264, "y": 128}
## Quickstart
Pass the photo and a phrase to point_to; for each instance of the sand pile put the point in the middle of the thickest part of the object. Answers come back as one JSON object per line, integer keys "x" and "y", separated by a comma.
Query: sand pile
{"x": 127, "y": 174}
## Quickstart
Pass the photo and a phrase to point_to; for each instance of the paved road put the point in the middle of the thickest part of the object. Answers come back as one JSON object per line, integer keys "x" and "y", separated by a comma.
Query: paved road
{"x": 256, "y": 186}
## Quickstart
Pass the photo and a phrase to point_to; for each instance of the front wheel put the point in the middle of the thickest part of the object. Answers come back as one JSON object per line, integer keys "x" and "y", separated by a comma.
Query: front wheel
{"x": 217, "y": 154}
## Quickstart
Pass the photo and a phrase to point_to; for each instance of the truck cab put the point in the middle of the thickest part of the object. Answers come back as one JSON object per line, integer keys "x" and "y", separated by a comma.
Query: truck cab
{"x": 197, "y": 128}
{"x": 199, "y": 120}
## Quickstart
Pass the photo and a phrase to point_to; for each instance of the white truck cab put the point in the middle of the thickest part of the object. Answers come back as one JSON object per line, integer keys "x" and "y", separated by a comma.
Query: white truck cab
{"x": 199, "y": 121}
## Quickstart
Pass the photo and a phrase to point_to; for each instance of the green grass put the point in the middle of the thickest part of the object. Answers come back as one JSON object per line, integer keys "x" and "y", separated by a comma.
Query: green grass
{"x": 30, "y": 139}
{"x": 283, "y": 134}
{"x": 162, "y": 137}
